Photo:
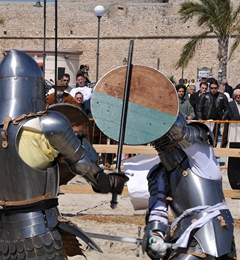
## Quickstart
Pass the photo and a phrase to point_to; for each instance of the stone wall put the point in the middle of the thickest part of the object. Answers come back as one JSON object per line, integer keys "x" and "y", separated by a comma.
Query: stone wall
{"x": 155, "y": 27}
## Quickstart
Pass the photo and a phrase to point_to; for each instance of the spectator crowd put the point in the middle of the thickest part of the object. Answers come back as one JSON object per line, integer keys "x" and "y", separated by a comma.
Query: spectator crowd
{"x": 209, "y": 99}
{"x": 79, "y": 96}
{"x": 206, "y": 99}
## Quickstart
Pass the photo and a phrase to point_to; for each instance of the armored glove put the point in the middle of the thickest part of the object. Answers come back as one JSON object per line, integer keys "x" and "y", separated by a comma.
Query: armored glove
{"x": 112, "y": 182}
{"x": 153, "y": 242}
{"x": 156, "y": 246}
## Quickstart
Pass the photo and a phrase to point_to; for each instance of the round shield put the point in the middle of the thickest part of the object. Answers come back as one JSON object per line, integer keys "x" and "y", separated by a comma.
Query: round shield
{"x": 151, "y": 110}
{"x": 79, "y": 122}
{"x": 78, "y": 119}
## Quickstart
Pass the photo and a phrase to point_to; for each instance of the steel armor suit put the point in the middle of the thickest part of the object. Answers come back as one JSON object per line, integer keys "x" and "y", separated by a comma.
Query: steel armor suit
{"x": 187, "y": 180}
{"x": 31, "y": 226}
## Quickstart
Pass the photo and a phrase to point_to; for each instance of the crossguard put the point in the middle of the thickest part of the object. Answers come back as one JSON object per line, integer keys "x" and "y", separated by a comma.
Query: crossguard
{"x": 138, "y": 244}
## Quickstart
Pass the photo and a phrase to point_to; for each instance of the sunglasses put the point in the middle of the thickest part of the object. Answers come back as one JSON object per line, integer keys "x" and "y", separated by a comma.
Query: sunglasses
{"x": 65, "y": 80}
{"x": 212, "y": 88}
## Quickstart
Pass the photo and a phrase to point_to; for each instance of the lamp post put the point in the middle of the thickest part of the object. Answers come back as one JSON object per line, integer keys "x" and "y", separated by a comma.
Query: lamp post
{"x": 125, "y": 61}
{"x": 44, "y": 38}
{"x": 38, "y": 4}
{"x": 99, "y": 11}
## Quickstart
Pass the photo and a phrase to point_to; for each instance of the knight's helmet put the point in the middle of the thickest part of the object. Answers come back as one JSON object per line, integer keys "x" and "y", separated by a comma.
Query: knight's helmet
{"x": 167, "y": 146}
{"x": 21, "y": 86}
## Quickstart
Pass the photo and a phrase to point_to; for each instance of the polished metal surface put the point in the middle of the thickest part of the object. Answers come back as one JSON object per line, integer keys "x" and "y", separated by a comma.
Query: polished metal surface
{"x": 16, "y": 169}
{"x": 21, "y": 86}
{"x": 57, "y": 129}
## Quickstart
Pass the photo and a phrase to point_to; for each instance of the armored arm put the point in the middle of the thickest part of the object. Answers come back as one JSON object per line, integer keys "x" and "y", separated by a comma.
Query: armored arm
{"x": 79, "y": 156}
{"x": 188, "y": 134}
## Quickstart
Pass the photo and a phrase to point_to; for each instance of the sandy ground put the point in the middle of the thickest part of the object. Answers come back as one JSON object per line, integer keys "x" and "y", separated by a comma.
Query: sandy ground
{"x": 92, "y": 213}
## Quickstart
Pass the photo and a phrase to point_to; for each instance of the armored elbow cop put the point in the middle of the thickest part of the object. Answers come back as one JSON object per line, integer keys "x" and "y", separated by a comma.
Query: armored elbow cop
{"x": 188, "y": 134}
{"x": 89, "y": 169}
{"x": 80, "y": 156}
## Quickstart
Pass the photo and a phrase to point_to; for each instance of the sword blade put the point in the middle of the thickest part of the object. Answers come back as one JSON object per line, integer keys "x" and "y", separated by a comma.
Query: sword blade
{"x": 115, "y": 238}
{"x": 137, "y": 241}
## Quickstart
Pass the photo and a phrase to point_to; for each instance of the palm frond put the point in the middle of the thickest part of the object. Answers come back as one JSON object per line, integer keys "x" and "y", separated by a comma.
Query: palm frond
{"x": 189, "y": 49}
{"x": 235, "y": 44}
{"x": 213, "y": 14}
{"x": 235, "y": 21}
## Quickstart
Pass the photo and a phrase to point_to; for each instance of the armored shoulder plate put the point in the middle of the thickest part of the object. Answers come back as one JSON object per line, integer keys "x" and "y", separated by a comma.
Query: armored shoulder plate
{"x": 56, "y": 126}
{"x": 23, "y": 175}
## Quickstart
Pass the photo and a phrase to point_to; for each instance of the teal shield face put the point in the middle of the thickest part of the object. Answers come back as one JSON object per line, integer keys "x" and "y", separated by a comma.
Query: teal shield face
{"x": 151, "y": 111}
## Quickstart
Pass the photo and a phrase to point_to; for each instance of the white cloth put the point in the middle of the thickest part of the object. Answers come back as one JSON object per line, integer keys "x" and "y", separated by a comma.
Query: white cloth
{"x": 202, "y": 161}
{"x": 228, "y": 96}
{"x": 86, "y": 91}
{"x": 213, "y": 211}
{"x": 138, "y": 168}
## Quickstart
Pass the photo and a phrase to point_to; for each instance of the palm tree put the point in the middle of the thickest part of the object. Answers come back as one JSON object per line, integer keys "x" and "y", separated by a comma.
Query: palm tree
{"x": 218, "y": 18}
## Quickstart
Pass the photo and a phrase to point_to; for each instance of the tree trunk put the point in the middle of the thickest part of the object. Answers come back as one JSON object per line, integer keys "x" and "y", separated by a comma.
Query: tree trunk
{"x": 223, "y": 56}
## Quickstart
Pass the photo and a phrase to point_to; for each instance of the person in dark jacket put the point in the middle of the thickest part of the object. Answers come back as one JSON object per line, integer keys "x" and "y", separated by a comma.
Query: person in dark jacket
{"x": 184, "y": 105}
{"x": 194, "y": 98}
{"x": 228, "y": 88}
{"x": 213, "y": 105}
{"x": 235, "y": 105}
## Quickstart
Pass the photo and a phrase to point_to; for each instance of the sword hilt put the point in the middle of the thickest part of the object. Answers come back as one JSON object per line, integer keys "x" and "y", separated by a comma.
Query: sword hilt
{"x": 114, "y": 201}
{"x": 139, "y": 243}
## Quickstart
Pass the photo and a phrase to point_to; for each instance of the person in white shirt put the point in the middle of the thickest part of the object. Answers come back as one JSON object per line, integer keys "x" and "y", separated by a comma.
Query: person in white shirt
{"x": 222, "y": 90}
{"x": 81, "y": 86}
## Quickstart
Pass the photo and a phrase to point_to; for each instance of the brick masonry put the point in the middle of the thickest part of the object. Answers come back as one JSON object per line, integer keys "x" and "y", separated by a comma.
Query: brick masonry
{"x": 155, "y": 27}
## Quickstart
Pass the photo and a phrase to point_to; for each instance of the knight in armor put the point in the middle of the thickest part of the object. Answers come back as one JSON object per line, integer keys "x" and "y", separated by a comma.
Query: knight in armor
{"x": 188, "y": 181}
{"x": 31, "y": 226}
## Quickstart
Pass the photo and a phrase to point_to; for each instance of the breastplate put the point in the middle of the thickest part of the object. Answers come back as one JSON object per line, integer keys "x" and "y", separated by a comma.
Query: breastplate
{"x": 189, "y": 190}
{"x": 19, "y": 181}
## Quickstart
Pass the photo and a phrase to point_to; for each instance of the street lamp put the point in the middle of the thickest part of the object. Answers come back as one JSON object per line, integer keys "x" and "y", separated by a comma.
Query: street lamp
{"x": 44, "y": 38}
{"x": 125, "y": 61}
{"x": 99, "y": 11}
{"x": 38, "y": 4}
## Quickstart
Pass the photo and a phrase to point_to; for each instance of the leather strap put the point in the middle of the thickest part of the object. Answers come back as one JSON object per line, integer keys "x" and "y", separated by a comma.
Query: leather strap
{"x": 4, "y": 203}
{"x": 4, "y": 134}
{"x": 17, "y": 120}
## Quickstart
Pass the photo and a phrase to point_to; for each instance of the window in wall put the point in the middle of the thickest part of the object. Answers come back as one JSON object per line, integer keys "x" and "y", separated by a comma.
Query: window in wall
{"x": 61, "y": 71}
